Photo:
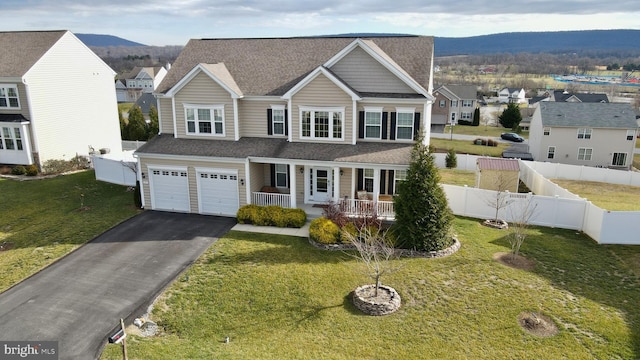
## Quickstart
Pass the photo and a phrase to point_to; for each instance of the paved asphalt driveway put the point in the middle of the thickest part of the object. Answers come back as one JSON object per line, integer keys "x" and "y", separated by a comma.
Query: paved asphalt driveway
{"x": 80, "y": 299}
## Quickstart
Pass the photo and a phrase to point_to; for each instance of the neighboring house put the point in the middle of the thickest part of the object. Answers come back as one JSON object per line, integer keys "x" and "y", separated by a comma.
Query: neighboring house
{"x": 288, "y": 121}
{"x": 57, "y": 98}
{"x": 592, "y": 134}
{"x": 143, "y": 80}
{"x": 512, "y": 95}
{"x": 498, "y": 174}
{"x": 565, "y": 96}
{"x": 453, "y": 103}
{"x": 121, "y": 91}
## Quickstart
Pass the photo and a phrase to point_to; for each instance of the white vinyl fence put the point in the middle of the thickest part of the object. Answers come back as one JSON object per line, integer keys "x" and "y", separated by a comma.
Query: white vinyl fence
{"x": 554, "y": 205}
{"x": 115, "y": 168}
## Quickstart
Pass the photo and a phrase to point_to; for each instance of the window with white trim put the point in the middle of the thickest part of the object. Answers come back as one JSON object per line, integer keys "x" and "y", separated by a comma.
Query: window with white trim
{"x": 277, "y": 120}
{"x": 9, "y": 143}
{"x": 9, "y": 96}
{"x": 368, "y": 180}
{"x": 205, "y": 120}
{"x": 546, "y": 131}
{"x": 467, "y": 103}
{"x": 551, "y": 152}
{"x": 619, "y": 159}
{"x": 631, "y": 134}
{"x": 443, "y": 103}
{"x": 281, "y": 175}
{"x": 454, "y": 103}
{"x": 585, "y": 154}
{"x": 372, "y": 123}
{"x": 466, "y": 116}
{"x": 398, "y": 176}
{"x": 321, "y": 123}
{"x": 404, "y": 123}
{"x": 584, "y": 133}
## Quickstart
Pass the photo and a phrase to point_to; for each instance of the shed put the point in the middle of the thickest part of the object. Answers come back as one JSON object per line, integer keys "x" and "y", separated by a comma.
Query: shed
{"x": 498, "y": 174}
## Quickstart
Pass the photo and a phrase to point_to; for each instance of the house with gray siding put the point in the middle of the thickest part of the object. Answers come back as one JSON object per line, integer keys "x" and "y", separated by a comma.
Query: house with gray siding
{"x": 288, "y": 121}
{"x": 57, "y": 99}
{"x": 590, "y": 134}
{"x": 452, "y": 104}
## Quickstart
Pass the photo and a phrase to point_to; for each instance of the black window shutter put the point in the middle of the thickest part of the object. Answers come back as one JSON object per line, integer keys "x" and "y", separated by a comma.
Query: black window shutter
{"x": 361, "y": 125}
{"x": 392, "y": 135}
{"x": 391, "y": 182}
{"x": 383, "y": 181}
{"x": 269, "y": 122}
{"x": 273, "y": 174}
{"x": 416, "y": 126}
{"x": 360, "y": 179}
{"x": 384, "y": 125}
{"x": 286, "y": 122}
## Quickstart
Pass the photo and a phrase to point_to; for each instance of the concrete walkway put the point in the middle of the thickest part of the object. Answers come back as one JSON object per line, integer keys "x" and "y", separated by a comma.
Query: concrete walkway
{"x": 301, "y": 232}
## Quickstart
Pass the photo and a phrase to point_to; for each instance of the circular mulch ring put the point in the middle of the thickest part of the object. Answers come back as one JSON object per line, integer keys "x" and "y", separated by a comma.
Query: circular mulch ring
{"x": 499, "y": 224}
{"x": 514, "y": 261}
{"x": 537, "y": 324}
{"x": 387, "y": 301}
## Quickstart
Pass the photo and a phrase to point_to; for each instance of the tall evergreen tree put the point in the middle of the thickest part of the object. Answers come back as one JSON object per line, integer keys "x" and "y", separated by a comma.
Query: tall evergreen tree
{"x": 476, "y": 117}
{"x": 511, "y": 116}
{"x": 153, "y": 128}
{"x": 137, "y": 127}
{"x": 423, "y": 217}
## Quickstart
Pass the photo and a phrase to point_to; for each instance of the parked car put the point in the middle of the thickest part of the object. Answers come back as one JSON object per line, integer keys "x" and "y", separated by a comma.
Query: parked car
{"x": 512, "y": 137}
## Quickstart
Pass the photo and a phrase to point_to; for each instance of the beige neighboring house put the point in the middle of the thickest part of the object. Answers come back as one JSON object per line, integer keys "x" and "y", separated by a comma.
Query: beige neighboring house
{"x": 512, "y": 95}
{"x": 143, "y": 80}
{"x": 288, "y": 121}
{"x": 591, "y": 134}
{"x": 453, "y": 103}
{"x": 57, "y": 98}
{"x": 498, "y": 174}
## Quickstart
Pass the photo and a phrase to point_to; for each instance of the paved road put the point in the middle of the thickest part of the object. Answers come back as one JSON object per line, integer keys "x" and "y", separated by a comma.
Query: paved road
{"x": 79, "y": 300}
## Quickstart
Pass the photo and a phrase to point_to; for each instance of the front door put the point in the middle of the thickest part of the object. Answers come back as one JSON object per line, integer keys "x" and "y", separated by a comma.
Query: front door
{"x": 321, "y": 185}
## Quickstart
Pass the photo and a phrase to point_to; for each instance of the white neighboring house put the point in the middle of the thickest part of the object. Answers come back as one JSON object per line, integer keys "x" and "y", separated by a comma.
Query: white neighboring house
{"x": 512, "y": 95}
{"x": 57, "y": 98}
{"x": 591, "y": 134}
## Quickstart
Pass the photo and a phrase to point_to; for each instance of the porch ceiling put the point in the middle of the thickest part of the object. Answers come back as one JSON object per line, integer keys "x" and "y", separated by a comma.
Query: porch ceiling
{"x": 367, "y": 152}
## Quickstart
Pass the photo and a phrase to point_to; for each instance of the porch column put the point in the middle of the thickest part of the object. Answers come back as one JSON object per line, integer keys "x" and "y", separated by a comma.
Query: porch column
{"x": 247, "y": 180}
{"x": 292, "y": 185}
{"x": 336, "y": 184}
{"x": 376, "y": 185}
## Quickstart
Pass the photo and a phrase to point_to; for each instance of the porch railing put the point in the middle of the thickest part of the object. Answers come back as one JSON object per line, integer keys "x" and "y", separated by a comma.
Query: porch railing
{"x": 355, "y": 207}
{"x": 266, "y": 199}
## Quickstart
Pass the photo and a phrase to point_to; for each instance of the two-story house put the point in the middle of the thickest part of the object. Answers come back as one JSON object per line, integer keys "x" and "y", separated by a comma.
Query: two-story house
{"x": 287, "y": 121}
{"x": 57, "y": 98}
{"x": 592, "y": 134}
{"x": 452, "y": 104}
{"x": 143, "y": 80}
{"x": 512, "y": 95}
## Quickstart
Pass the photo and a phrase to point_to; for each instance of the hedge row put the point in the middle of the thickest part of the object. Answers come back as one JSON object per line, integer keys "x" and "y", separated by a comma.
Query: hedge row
{"x": 271, "y": 216}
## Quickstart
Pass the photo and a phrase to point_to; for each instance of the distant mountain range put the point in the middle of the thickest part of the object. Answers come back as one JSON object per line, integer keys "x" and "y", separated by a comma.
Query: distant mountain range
{"x": 582, "y": 42}
{"x": 105, "y": 40}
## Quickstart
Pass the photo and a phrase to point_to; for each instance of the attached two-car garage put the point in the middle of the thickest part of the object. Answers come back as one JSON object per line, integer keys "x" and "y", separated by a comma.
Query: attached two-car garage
{"x": 216, "y": 189}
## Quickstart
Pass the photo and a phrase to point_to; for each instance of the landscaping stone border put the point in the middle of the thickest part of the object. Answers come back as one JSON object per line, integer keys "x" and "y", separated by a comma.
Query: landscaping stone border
{"x": 376, "y": 307}
{"x": 400, "y": 252}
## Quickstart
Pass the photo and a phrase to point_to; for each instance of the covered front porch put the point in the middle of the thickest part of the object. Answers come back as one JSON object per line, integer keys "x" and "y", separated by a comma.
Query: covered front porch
{"x": 358, "y": 189}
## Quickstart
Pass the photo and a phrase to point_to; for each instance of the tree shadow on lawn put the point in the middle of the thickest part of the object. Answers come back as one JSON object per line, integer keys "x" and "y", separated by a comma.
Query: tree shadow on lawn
{"x": 282, "y": 249}
{"x": 576, "y": 263}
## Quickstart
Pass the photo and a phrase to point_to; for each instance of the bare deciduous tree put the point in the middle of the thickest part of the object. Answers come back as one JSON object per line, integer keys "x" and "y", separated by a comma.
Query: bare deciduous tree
{"x": 522, "y": 212}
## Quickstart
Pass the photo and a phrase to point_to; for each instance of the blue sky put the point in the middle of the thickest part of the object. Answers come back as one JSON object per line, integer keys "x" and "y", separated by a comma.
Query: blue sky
{"x": 174, "y": 22}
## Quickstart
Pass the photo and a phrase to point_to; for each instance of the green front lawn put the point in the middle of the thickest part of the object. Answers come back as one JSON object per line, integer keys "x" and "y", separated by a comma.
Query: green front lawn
{"x": 480, "y": 131}
{"x": 468, "y": 147}
{"x": 277, "y": 297}
{"x": 43, "y": 220}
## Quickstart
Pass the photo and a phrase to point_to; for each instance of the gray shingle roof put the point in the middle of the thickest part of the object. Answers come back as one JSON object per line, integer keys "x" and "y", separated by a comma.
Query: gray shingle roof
{"x": 371, "y": 153}
{"x": 22, "y": 49}
{"x": 465, "y": 92}
{"x": 595, "y": 115}
{"x": 272, "y": 66}
{"x": 560, "y": 95}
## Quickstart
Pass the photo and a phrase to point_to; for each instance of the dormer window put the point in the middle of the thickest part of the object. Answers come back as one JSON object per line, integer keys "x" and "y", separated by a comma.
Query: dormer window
{"x": 205, "y": 120}
{"x": 321, "y": 123}
{"x": 9, "y": 97}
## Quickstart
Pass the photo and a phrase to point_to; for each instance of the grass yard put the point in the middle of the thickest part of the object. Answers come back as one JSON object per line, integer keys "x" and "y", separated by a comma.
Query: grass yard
{"x": 43, "y": 220}
{"x": 457, "y": 177}
{"x": 277, "y": 297}
{"x": 607, "y": 196}
{"x": 481, "y": 131}
{"x": 468, "y": 147}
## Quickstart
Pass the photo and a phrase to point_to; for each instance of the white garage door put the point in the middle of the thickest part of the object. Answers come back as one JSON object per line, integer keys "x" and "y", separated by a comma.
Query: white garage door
{"x": 218, "y": 192}
{"x": 169, "y": 190}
